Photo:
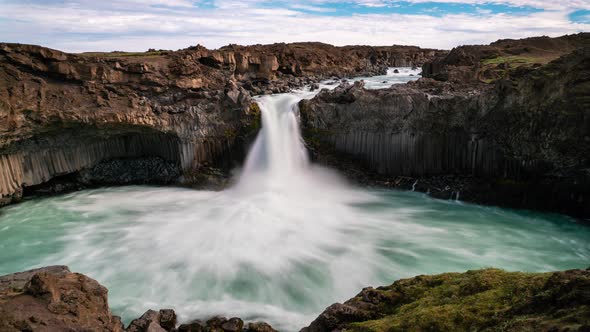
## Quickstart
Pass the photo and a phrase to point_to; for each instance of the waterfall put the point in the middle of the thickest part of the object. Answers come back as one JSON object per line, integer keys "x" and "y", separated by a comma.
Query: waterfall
{"x": 278, "y": 150}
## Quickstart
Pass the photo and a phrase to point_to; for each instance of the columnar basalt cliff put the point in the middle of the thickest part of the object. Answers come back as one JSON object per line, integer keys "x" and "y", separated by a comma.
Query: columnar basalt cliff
{"x": 172, "y": 112}
{"x": 519, "y": 138}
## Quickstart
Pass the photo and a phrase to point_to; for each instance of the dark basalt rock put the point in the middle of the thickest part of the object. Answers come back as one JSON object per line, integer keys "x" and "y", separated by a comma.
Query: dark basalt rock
{"x": 484, "y": 300}
{"x": 62, "y": 113}
{"x": 520, "y": 141}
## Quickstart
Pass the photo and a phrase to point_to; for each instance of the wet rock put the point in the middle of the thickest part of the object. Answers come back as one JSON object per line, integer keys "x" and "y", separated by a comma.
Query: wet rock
{"x": 167, "y": 319}
{"x": 233, "y": 325}
{"x": 129, "y": 171}
{"x": 194, "y": 326}
{"x": 395, "y": 71}
{"x": 154, "y": 321}
{"x": 259, "y": 327}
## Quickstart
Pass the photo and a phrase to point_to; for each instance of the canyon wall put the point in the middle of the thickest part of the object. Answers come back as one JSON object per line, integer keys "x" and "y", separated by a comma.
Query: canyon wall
{"x": 521, "y": 140}
{"x": 63, "y": 113}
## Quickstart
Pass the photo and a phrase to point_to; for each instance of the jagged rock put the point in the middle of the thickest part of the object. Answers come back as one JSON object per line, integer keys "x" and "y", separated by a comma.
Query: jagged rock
{"x": 54, "y": 299}
{"x": 487, "y": 300}
{"x": 233, "y": 325}
{"x": 506, "y": 141}
{"x": 61, "y": 113}
{"x": 259, "y": 327}
{"x": 194, "y": 326}
{"x": 167, "y": 319}
{"x": 154, "y": 321}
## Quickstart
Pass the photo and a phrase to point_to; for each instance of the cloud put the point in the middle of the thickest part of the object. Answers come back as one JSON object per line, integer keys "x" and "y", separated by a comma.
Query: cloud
{"x": 312, "y": 8}
{"x": 135, "y": 25}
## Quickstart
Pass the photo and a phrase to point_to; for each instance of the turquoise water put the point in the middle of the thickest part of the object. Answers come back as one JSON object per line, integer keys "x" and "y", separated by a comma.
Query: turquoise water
{"x": 279, "y": 258}
{"x": 286, "y": 241}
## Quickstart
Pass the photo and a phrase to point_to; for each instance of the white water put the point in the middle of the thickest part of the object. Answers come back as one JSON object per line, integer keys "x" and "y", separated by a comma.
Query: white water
{"x": 286, "y": 241}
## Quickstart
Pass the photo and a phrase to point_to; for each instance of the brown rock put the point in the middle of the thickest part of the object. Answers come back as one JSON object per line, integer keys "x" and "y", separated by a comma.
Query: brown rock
{"x": 259, "y": 327}
{"x": 194, "y": 326}
{"x": 233, "y": 325}
{"x": 54, "y": 299}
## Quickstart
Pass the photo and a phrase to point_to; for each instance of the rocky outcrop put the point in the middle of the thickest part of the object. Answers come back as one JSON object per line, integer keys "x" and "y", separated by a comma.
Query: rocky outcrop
{"x": 62, "y": 114}
{"x": 322, "y": 60}
{"x": 488, "y": 63}
{"x": 523, "y": 140}
{"x": 484, "y": 300}
{"x": 55, "y": 299}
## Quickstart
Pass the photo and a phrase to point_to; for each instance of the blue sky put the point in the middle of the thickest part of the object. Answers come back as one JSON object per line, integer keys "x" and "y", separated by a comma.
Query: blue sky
{"x": 136, "y": 25}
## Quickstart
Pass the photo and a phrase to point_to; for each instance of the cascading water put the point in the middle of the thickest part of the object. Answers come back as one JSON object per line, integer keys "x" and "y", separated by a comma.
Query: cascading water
{"x": 286, "y": 241}
{"x": 278, "y": 151}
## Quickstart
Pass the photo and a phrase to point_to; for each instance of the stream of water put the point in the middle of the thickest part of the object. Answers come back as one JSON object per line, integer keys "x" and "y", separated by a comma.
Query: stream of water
{"x": 287, "y": 240}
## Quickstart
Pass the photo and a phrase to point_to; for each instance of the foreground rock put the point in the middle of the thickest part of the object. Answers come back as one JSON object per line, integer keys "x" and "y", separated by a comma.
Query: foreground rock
{"x": 55, "y": 299}
{"x": 484, "y": 300}
{"x": 522, "y": 140}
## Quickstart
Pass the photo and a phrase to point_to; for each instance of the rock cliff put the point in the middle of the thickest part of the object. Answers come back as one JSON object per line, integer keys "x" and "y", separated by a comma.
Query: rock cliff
{"x": 520, "y": 140}
{"x": 171, "y": 112}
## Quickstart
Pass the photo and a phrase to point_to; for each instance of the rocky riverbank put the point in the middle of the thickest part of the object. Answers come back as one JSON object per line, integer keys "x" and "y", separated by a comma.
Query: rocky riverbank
{"x": 55, "y": 299}
{"x": 74, "y": 120}
{"x": 501, "y": 124}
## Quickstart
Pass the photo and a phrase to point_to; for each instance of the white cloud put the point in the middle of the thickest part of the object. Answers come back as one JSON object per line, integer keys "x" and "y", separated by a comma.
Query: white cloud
{"x": 84, "y": 27}
{"x": 312, "y": 8}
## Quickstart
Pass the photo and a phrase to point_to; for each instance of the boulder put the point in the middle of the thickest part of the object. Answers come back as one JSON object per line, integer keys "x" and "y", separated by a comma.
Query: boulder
{"x": 54, "y": 299}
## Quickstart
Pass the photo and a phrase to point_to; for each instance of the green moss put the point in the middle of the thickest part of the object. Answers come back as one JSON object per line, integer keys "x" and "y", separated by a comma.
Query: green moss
{"x": 316, "y": 138}
{"x": 513, "y": 60}
{"x": 230, "y": 133}
{"x": 253, "y": 122}
{"x": 471, "y": 301}
{"x": 501, "y": 67}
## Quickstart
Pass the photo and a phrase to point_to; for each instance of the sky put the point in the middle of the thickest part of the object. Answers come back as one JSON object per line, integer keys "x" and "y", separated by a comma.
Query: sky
{"x": 136, "y": 25}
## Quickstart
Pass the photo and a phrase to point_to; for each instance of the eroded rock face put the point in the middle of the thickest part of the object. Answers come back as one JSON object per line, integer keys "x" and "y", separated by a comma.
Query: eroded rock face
{"x": 54, "y": 299}
{"x": 521, "y": 141}
{"x": 63, "y": 113}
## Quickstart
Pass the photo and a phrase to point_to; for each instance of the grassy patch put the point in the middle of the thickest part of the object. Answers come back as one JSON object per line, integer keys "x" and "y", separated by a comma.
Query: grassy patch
{"x": 513, "y": 60}
{"x": 471, "y": 301}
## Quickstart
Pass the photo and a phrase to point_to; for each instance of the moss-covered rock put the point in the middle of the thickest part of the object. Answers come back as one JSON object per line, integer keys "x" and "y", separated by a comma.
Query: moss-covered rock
{"x": 482, "y": 300}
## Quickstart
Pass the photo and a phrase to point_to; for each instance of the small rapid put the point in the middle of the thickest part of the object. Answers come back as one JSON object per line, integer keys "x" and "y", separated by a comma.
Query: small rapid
{"x": 287, "y": 240}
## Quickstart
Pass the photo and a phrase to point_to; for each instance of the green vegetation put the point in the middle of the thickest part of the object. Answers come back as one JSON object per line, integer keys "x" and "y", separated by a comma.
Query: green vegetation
{"x": 483, "y": 300}
{"x": 513, "y": 61}
{"x": 500, "y": 67}
{"x": 255, "y": 120}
